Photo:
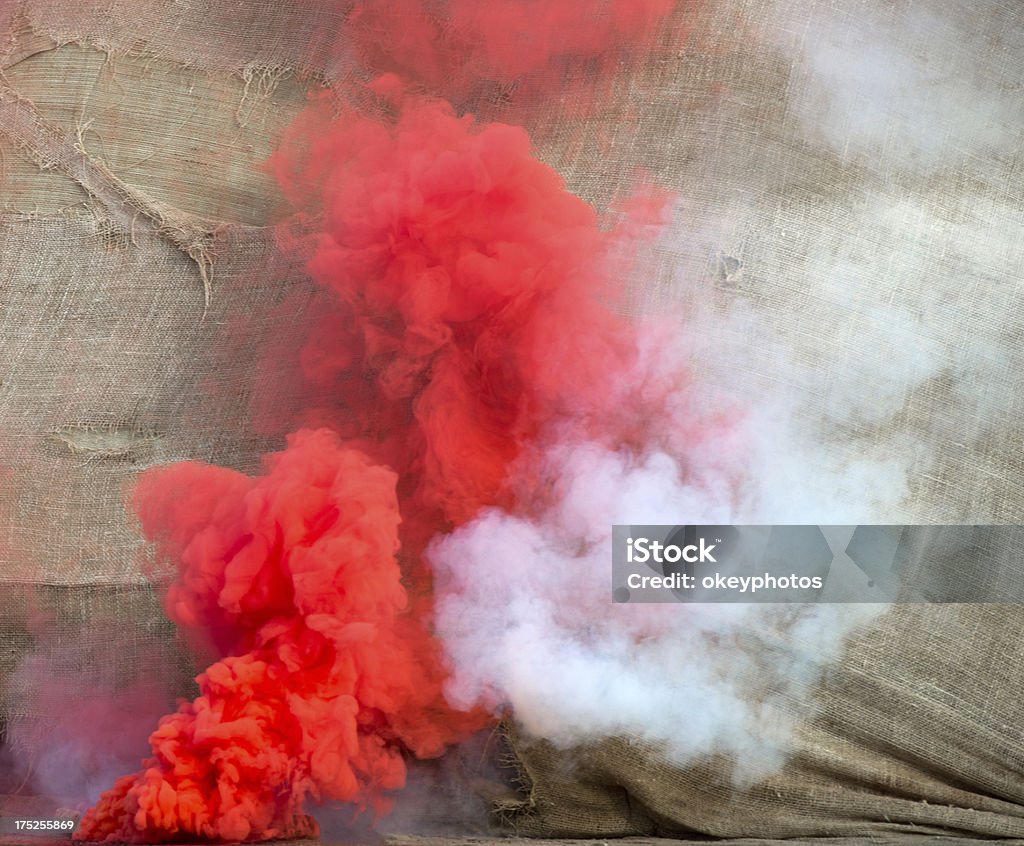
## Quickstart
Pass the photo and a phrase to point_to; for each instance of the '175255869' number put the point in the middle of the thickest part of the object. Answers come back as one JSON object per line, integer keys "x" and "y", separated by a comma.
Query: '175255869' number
{"x": 44, "y": 825}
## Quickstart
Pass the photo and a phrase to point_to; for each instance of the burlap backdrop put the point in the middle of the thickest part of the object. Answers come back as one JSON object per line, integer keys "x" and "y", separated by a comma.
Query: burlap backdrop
{"x": 141, "y": 283}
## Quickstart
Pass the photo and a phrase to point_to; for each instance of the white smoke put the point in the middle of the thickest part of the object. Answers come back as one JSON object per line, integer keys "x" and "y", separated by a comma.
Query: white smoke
{"x": 524, "y": 604}
{"x": 903, "y": 81}
{"x": 850, "y": 332}
{"x": 527, "y": 617}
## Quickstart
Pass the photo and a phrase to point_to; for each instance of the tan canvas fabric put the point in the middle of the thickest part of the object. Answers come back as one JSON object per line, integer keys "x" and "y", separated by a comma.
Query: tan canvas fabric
{"x": 81, "y": 641}
{"x": 149, "y": 197}
{"x": 135, "y": 218}
{"x": 918, "y": 730}
{"x": 771, "y": 218}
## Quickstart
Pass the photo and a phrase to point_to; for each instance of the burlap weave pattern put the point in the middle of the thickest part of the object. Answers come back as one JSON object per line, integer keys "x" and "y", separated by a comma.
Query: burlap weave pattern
{"x": 131, "y": 190}
{"x": 918, "y": 730}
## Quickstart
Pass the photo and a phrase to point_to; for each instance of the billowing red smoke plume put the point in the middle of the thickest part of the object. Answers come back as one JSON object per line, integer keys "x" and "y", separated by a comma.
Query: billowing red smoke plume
{"x": 474, "y": 287}
{"x": 327, "y": 682}
{"x": 472, "y": 319}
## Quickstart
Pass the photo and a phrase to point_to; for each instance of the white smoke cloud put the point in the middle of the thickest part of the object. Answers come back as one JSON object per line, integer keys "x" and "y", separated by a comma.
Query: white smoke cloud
{"x": 824, "y": 327}
{"x": 527, "y": 618}
{"x": 524, "y": 605}
{"x": 849, "y": 248}
{"x": 903, "y": 81}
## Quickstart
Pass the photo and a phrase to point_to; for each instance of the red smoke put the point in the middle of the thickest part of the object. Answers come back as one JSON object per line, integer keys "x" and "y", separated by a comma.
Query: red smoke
{"x": 471, "y": 320}
{"x": 470, "y": 280}
{"x": 538, "y": 46}
{"x": 327, "y": 682}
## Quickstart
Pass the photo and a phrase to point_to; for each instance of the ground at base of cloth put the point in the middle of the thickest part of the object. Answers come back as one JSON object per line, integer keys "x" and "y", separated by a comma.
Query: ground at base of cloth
{"x": 14, "y": 808}
{"x": 891, "y": 839}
